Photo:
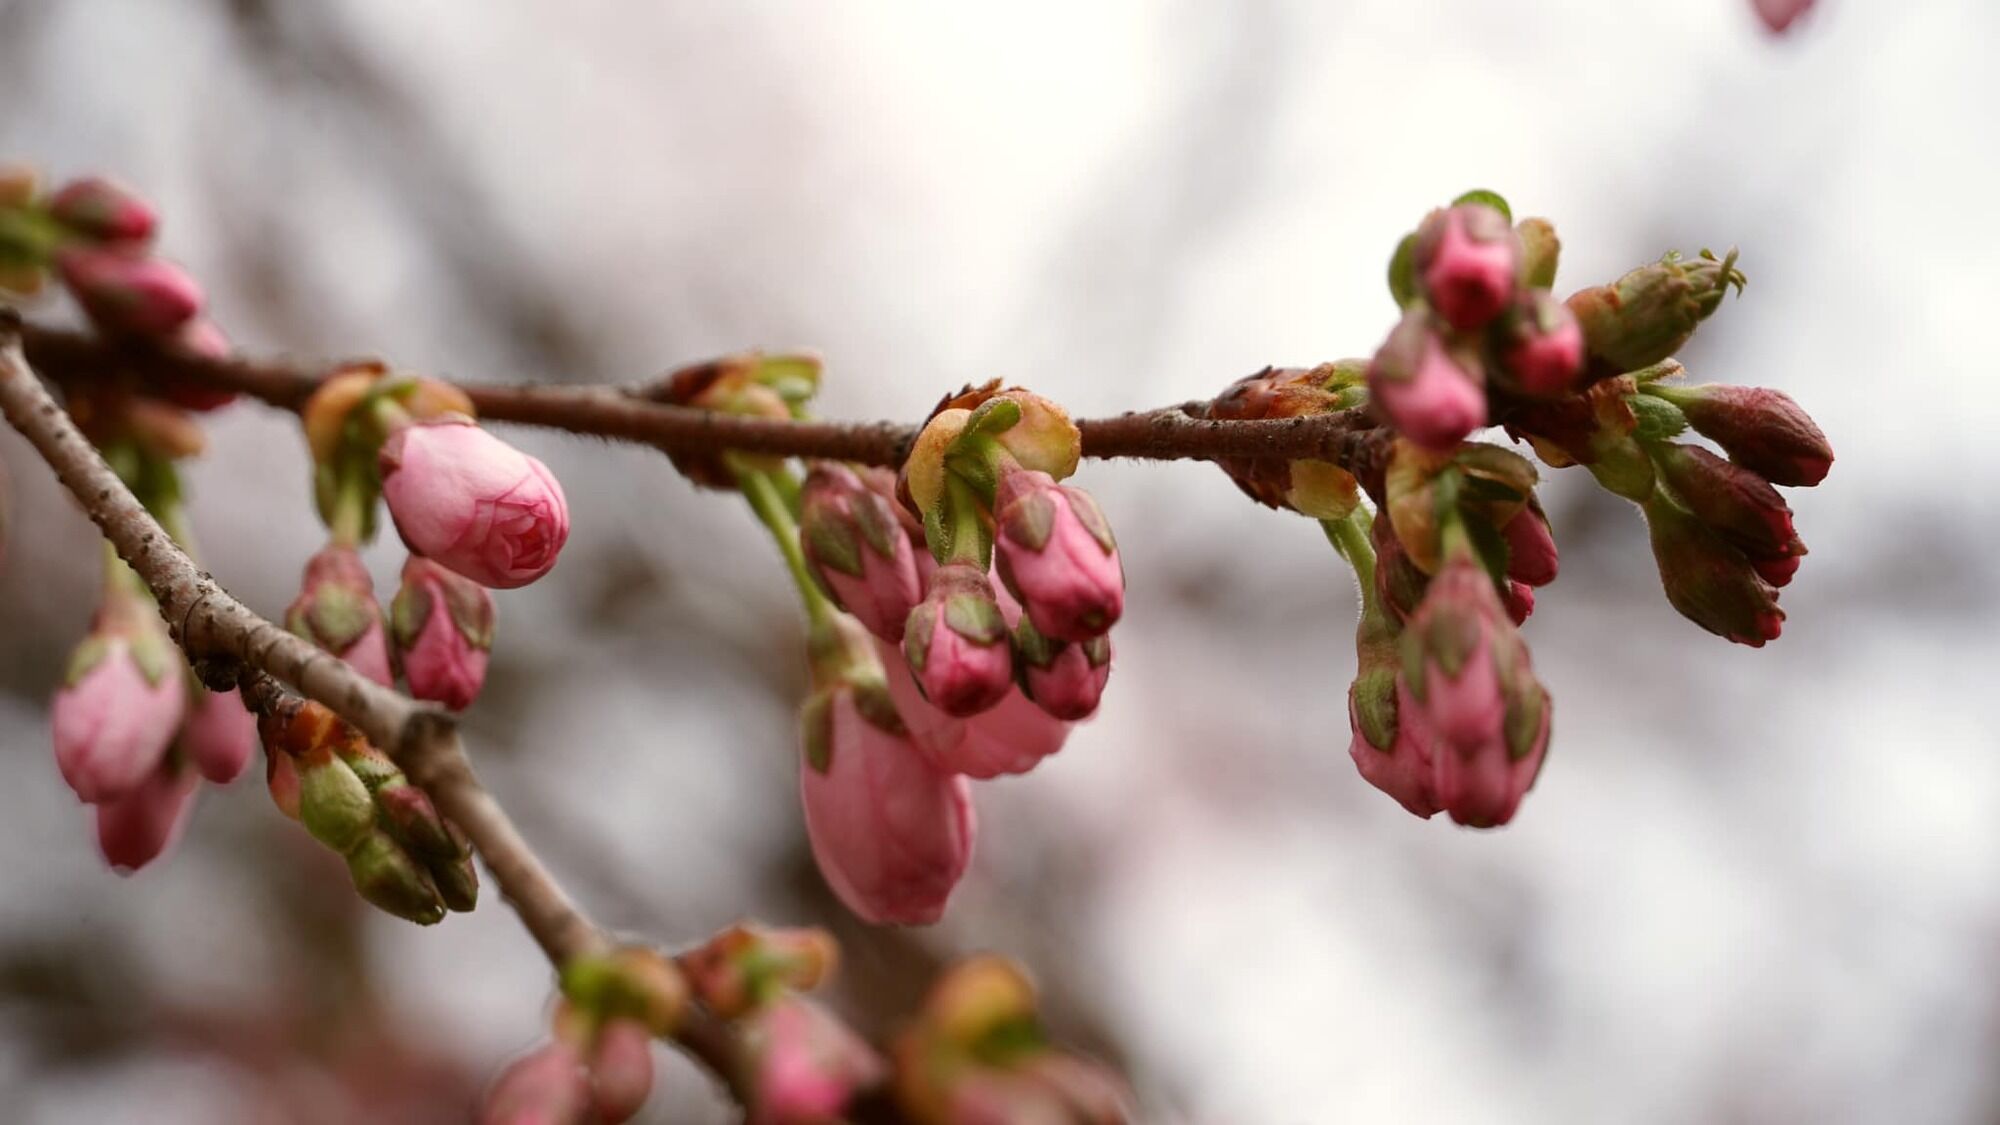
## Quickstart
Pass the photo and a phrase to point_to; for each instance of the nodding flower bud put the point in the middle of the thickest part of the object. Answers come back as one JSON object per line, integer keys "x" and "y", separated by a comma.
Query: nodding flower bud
{"x": 1468, "y": 260}
{"x": 1010, "y": 738}
{"x": 858, "y": 542}
{"x": 219, "y": 735}
{"x": 1519, "y": 598}
{"x": 103, "y": 211}
{"x": 202, "y": 339}
{"x": 1418, "y": 387}
{"x": 1469, "y": 692}
{"x": 336, "y": 610}
{"x": 547, "y": 1086}
{"x": 138, "y": 827}
{"x": 621, "y": 1070}
{"x": 125, "y": 292}
{"x": 1741, "y": 506}
{"x": 1398, "y": 580}
{"x": 1778, "y": 15}
{"x": 746, "y": 966}
{"x": 1645, "y": 316}
{"x": 1531, "y": 549}
{"x": 804, "y": 1065}
{"x": 1761, "y": 429}
{"x": 443, "y": 625}
{"x": 1387, "y": 747}
{"x": 1056, "y": 554}
{"x": 1064, "y": 678}
{"x": 1541, "y": 348}
{"x": 474, "y": 503}
{"x": 956, "y": 642}
{"x": 1711, "y": 582}
{"x": 120, "y": 702}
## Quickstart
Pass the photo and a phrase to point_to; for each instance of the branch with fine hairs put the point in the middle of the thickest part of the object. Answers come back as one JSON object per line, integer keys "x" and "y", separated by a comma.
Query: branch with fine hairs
{"x": 1170, "y": 433}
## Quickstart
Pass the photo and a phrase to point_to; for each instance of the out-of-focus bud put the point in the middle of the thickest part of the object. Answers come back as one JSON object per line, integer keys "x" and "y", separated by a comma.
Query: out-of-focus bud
{"x": 631, "y": 982}
{"x": 1709, "y": 581}
{"x": 1778, "y": 15}
{"x": 747, "y": 965}
{"x": 103, "y": 211}
{"x": 805, "y": 1066}
{"x": 1410, "y": 488}
{"x": 1064, "y": 678}
{"x": 474, "y": 503}
{"x": 392, "y": 880}
{"x": 1531, "y": 548}
{"x": 1519, "y": 598}
{"x": 202, "y": 339}
{"x": 547, "y": 1086}
{"x": 1320, "y": 489}
{"x": 1541, "y": 347}
{"x": 859, "y": 545}
{"x": 18, "y": 183}
{"x": 1736, "y": 502}
{"x": 1388, "y": 751}
{"x": 336, "y": 610}
{"x": 1540, "y": 252}
{"x": 443, "y": 625}
{"x": 120, "y": 702}
{"x": 956, "y": 642}
{"x": 218, "y": 735}
{"x": 1468, "y": 261}
{"x": 1430, "y": 396}
{"x": 1048, "y": 1086}
{"x": 1056, "y": 554}
{"x": 1779, "y": 571}
{"x": 123, "y": 292}
{"x": 325, "y": 414}
{"x": 621, "y": 1070}
{"x": 1761, "y": 429}
{"x": 137, "y": 827}
{"x": 1647, "y": 315}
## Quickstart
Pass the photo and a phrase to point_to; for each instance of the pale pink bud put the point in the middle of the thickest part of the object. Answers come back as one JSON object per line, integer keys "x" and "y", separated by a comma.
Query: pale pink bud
{"x": 1531, "y": 549}
{"x": 1421, "y": 390}
{"x": 891, "y": 833}
{"x": 858, "y": 543}
{"x": 474, "y": 503}
{"x": 806, "y": 1065}
{"x": 336, "y": 610}
{"x": 621, "y": 1070}
{"x": 1403, "y": 768}
{"x": 1064, "y": 678}
{"x": 1779, "y": 14}
{"x": 102, "y": 210}
{"x": 1542, "y": 351}
{"x": 443, "y": 625}
{"x": 138, "y": 827}
{"x": 956, "y": 642}
{"x": 117, "y": 713}
{"x": 124, "y": 292}
{"x": 219, "y": 734}
{"x": 1011, "y": 738}
{"x": 1056, "y": 554}
{"x": 547, "y": 1086}
{"x": 1468, "y": 258}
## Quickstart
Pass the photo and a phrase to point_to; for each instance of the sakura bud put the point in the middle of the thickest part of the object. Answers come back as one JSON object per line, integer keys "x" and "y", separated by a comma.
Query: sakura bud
{"x": 1468, "y": 260}
{"x": 202, "y": 339}
{"x": 547, "y": 1086}
{"x": 1778, "y": 15}
{"x": 137, "y": 827}
{"x": 1541, "y": 347}
{"x": 1063, "y": 678}
{"x": 219, "y": 734}
{"x": 336, "y": 611}
{"x": 1319, "y": 489}
{"x": 443, "y": 626}
{"x": 121, "y": 701}
{"x": 1519, "y": 598}
{"x": 1388, "y": 748}
{"x": 1420, "y": 389}
{"x": 1531, "y": 550}
{"x": 858, "y": 543}
{"x": 1647, "y": 315}
{"x": 747, "y": 965}
{"x": 392, "y": 881}
{"x": 1739, "y": 504}
{"x": 1761, "y": 429}
{"x": 805, "y": 1065}
{"x": 621, "y": 1070}
{"x": 1056, "y": 554}
{"x": 1709, "y": 581}
{"x": 124, "y": 292}
{"x": 956, "y": 642}
{"x": 103, "y": 211}
{"x": 474, "y": 503}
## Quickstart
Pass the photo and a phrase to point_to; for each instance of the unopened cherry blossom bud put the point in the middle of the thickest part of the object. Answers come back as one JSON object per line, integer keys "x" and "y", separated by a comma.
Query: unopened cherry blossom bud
{"x": 1541, "y": 347}
{"x": 859, "y": 544}
{"x": 474, "y": 503}
{"x": 747, "y": 965}
{"x": 621, "y": 1070}
{"x": 1418, "y": 386}
{"x": 443, "y": 626}
{"x": 1531, "y": 549}
{"x": 1779, "y": 571}
{"x": 1388, "y": 747}
{"x": 956, "y": 642}
{"x": 630, "y": 982}
{"x": 103, "y": 211}
{"x": 1778, "y": 15}
{"x": 1647, "y": 315}
{"x": 121, "y": 701}
{"x": 138, "y": 826}
{"x": 805, "y": 1066}
{"x": 1064, "y": 678}
{"x": 1519, "y": 598}
{"x": 336, "y": 610}
{"x": 1056, "y": 554}
{"x": 1739, "y": 504}
{"x": 1708, "y": 580}
{"x": 1468, "y": 261}
{"x": 202, "y": 339}
{"x": 218, "y": 735}
{"x": 1761, "y": 429}
{"x": 1540, "y": 252}
{"x": 1320, "y": 489}
{"x": 391, "y": 880}
{"x": 124, "y": 292}
{"x": 1010, "y": 738}
{"x": 547, "y": 1086}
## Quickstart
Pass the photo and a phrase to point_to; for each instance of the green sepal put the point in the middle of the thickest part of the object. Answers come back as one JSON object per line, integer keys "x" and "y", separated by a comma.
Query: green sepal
{"x": 409, "y": 612}
{"x": 1084, "y": 506}
{"x": 1541, "y": 251}
{"x": 1008, "y": 1041}
{"x": 335, "y": 619}
{"x": 917, "y": 636}
{"x": 1403, "y": 272}
{"x": 1658, "y": 419}
{"x": 1375, "y": 707}
{"x": 1492, "y": 199}
{"x": 876, "y": 706}
{"x": 876, "y": 522}
{"x": 975, "y": 618}
{"x": 794, "y": 377}
{"x": 833, "y": 545}
{"x": 816, "y": 730}
{"x": 85, "y": 658}
{"x": 1489, "y": 546}
{"x": 1030, "y": 520}
{"x": 1524, "y": 717}
{"x": 990, "y": 417}
{"x": 391, "y": 881}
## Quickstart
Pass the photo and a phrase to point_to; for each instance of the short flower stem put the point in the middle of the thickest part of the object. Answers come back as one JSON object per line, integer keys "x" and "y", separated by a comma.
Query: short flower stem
{"x": 767, "y": 499}
{"x": 1349, "y": 536}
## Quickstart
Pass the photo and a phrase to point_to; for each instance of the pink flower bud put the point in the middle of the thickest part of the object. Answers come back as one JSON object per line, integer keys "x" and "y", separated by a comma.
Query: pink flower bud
{"x": 1531, "y": 549}
{"x": 859, "y": 544}
{"x": 621, "y": 1070}
{"x": 123, "y": 292}
{"x": 1708, "y": 580}
{"x": 1519, "y": 598}
{"x": 200, "y": 338}
{"x": 1761, "y": 429}
{"x": 1740, "y": 505}
{"x": 1064, "y": 678}
{"x": 104, "y": 211}
{"x": 1421, "y": 390}
{"x": 1779, "y": 14}
{"x": 1056, "y": 554}
{"x": 1403, "y": 768}
{"x": 219, "y": 735}
{"x": 1468, "y": 259}
{"x": 474, "y": 503}
{"x": 1779, "y": 571}
{"x": 1010, "y": 738}
{"x": 336, "y": 610}
{"x": 956, "y": 642}
{"x": 1542, "y": 349}
{"x": 544, "y": 1087}
{"x": 117, "y": 712}
{"x": 806, "y": 1065}
{"x": 443, "y": 625}
{"x": 891, "y": 833}
{"x": 138, "y": 827}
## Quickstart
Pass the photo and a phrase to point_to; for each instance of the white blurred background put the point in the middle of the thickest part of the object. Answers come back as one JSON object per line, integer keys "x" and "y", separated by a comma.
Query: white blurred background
{"x": 1751, "y": 886}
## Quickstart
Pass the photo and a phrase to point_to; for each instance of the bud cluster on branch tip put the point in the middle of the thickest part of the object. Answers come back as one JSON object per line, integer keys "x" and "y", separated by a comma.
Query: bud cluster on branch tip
{"x": 977, "y": 1054}
{"x": 336, "y": 611}
{"x": 443, "y": 626}
{"x": 750, "y": 384}
{"x": 1319, "y": 489}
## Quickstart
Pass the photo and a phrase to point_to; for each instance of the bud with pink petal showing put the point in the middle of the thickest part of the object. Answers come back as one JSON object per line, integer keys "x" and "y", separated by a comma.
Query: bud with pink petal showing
{"x": 805, "y": 1066}
{"x": 1778, "y": 15}
{"x": 1470, "y": 693}
{"x": 1468, "y": 261}
{"x": 1741, "y": 506}
{"x": 1519, "y": 598}
{"x": 443, "y": 625}
{"x": 1056, "y": 554}
{"x": 120, "y": 703}
{"x": 124, "y": 292}
{"x": 1711, "y": 582}
{"x": 1064, "y": 678}
{"x": 956, "y": 642}
{"x": 336, "y": 610}
{"x": 547, "y": 1086}
{"x": 621, "y": 1070}
{"x": 1009, "y": 738}
{"x": 1761, "y": 429}
{"x": 103, "y": 211}
{"x": 138, "y": 827}
{"x": 859, "y": 544}
{"x": 474, "y": 503}
{"x": 1430, "y": 396}
{"x": 1386, "y": 749}
{"x": 219, "y": 734}
{"x": 1541, "y": 347}
{"x": 1531, "y": 549}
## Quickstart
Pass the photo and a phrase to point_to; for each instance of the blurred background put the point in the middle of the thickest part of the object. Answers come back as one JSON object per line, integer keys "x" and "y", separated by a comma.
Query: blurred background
{"x": 1751, "y": 885}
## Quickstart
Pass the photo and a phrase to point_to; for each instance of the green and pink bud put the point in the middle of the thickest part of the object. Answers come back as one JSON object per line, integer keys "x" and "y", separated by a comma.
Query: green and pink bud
{"x": 1467, "y": 262}
{"x": 1418, "y": 386}
{"x": 1055, "y": 552}
{"x": 1541, "y": 347}
{"x": 805, "y": 1066}
{"x": 746, "y": 966}
{"x": 1761, "y": 429}
{"x": 442, "y": 622}
{"x": 1386, "y": 750}
{"x": 1064, "y": 678}
{"x": 956, "y": 643}
{"x": 1709, "y": 580}
{"x": 336, "y": 611}
{"x": 102, "y": 211}
{"x": 472, "y": 502}
{"x": 140, "y": 825}
{"x": 1647, "y": 315}
{"x": 124, "y": 292}
{"x": 122, "y": 699}
{"x": 858, "y": 541}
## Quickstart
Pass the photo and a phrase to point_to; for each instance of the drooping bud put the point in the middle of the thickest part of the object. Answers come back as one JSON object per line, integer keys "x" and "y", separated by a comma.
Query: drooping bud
{"x": 336, "y": 610}
{"x": 1778, "y": 15}
{"x": 120, "y": 702}
{"x": 1709, "y": 581}
{"x": 1319, "y": 489}
{"x": 859, "y": 544}
{"x": 1010, "y": 738}
{"x": 805, "y": 1066}
{"x": 1761, "y": 429}
{"x": 1647, "y": 315}
{"x": 1468, "y": 261}
{"x": 138, "y": 826}
{"x": 1056, "y": 554}
{"x": 392, "y": 881}
{"x": 103, "y": 211}
{"x": 474, "y": 503}
{"x": 1519, "y": 598}
{"x": 1541, "y": 347}
{"x": 1387, "y": 748}
{"x": 218, "y": 735}
{"x": 547, "y": 1086}
{"x": 621, "y": 1070}
{"x": 1740, "y": 505}
{"x": 1420, "y": 388}
{"x": 955, "y": 641}
{"x": 443, "y": 626}
{"x": 202, "y": 339}
{"x": 747, "y": 965}
{"x": 1531, "y": 549}
{"x": 1064, "y": 678}
{"x": 125, "y": 292}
